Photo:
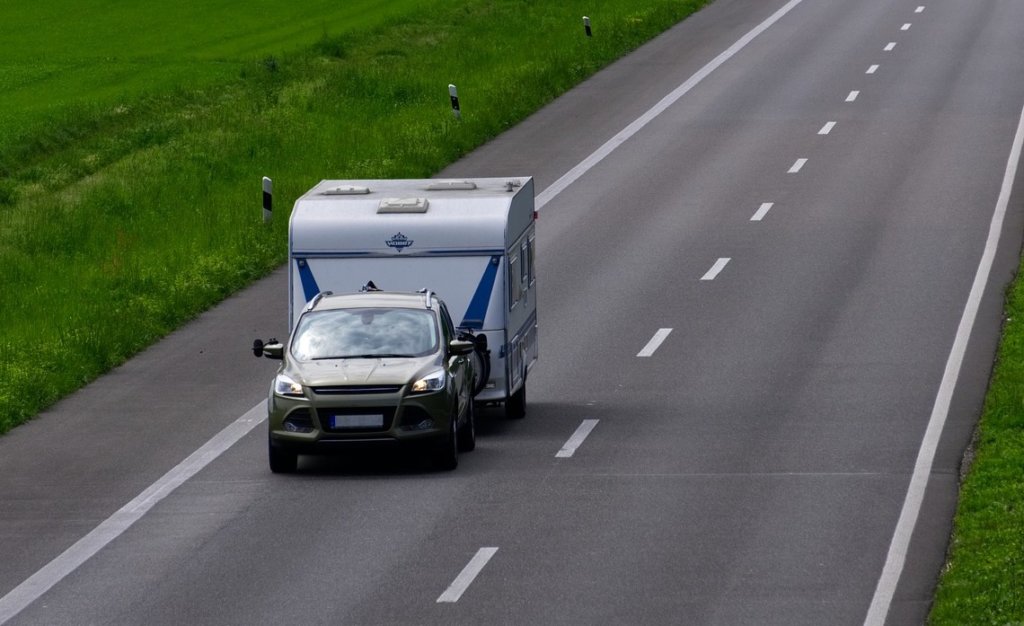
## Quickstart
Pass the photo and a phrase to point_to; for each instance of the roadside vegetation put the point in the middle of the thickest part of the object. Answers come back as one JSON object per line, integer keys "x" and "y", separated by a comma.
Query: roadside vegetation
{"x": 132, "y": 144}
{"x": 983, "y": 582}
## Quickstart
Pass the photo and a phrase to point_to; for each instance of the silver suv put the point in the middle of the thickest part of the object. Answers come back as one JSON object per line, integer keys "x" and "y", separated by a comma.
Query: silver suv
{"x": 371, "y": 367}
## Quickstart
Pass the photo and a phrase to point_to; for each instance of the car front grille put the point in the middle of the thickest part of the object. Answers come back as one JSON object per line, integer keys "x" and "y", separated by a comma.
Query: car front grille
{"x": 342, "y": 390}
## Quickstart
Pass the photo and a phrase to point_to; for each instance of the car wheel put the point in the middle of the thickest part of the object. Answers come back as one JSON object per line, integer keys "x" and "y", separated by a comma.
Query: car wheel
{"x": 282, "y": 461}
{"x": 515, "y": 406}
{"x": 447, "y": 455}
{"x": 467, "y": 434}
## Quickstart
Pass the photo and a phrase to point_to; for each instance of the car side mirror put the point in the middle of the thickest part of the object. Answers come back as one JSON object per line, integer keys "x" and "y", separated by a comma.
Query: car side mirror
{"x": 272, "y": 349}
{"x": 459, "y": 347}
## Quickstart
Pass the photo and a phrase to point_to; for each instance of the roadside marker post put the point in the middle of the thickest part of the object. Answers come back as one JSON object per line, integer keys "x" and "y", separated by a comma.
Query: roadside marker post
{"x": 268, "y": 199}
{"x": 454, "y": 94}
{"x": 586, "y": 26}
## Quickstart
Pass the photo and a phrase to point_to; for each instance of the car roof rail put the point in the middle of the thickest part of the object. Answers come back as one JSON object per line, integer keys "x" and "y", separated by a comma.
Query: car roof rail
{"x": 428, "y": 296}
{"x": 317, "y": 298}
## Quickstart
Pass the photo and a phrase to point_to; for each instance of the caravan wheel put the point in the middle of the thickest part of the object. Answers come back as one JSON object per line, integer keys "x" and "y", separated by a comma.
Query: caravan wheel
{"x": 515, "y": 405}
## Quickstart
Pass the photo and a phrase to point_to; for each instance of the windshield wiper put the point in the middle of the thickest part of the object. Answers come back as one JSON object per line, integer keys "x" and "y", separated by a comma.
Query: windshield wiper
{"x": 364, "y": 356}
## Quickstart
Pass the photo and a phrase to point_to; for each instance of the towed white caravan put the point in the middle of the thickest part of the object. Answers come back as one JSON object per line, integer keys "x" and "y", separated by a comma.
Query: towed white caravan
{"x": 472, "y": 241}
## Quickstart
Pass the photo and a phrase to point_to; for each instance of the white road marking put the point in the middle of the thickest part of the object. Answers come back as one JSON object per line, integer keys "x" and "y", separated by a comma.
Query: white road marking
{"x": 897, "y": 554}
{"x": 716, "y": 269}
{"x": 905, "y": 26}
{"x": 655, "y": 342}
{"x": 762, "y": 211}
{"x": 467, "y": 575}
{"x": 890, "y": 46}
{"x": 576, "y": 440}
{"x": 872, "y": 69}
{"x": 919, "y": 10}
{"x": 853, "y": 96}
{"x": 56, "y": 570}
{"x": 827, "y": 128}
{"x": 634, "y": 127}
{"x": 797, "y": 166}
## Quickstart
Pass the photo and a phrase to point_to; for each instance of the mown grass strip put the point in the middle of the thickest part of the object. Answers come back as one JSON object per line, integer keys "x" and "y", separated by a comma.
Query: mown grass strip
{"x": 983, "y": 581}
{"x": 118, "y": 223}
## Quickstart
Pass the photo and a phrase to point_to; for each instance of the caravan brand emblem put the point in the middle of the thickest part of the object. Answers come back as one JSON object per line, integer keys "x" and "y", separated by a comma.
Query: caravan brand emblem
{"x": 399, "y": 242}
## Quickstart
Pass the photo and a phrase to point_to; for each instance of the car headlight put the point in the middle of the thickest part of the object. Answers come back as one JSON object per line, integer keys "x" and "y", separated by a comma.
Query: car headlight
{"x": 431, "y": 382}
{"x": 285, "y": 386}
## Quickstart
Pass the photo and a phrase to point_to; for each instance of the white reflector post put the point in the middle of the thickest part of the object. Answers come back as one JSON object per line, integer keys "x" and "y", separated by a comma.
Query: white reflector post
{"x": 586, "y": 26}
{"x": 454, "y": 93}
{"x": 268, "y": 199}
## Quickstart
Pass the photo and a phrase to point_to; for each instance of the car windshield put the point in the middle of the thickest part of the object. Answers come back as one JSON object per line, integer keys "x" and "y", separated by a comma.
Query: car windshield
{"x": 365, "y": 333}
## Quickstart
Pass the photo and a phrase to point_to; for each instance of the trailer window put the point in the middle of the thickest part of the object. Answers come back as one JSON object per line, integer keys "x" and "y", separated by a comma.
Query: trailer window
{"x": 532, "y": 253}
{"x": 514, "y": 287}
{"x": 525, "y": 269}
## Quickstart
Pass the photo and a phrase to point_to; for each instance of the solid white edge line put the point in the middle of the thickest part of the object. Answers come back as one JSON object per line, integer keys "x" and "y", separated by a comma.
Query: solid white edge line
{"x": 577, "y": 439}
{"x": 762, "y": 211}
{"x": 716, "y": 269}
{"x": 897, "y": 554}
{"x": 797, "y": 166}
{"x": 853, "y": 96}
{"x": 467, "y": 575}
{"x": 56, "y": 570}
{"x": 827, "y": 128}
{"x": 655, "y": 342}
{"x": 609, "y": 146}
{"x": 890, "y": 46}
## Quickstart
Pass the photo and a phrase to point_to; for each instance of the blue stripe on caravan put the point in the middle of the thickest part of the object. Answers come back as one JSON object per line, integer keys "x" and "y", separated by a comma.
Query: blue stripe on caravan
{"x": 477, "y": 310}
{"x": 309, "y": 286}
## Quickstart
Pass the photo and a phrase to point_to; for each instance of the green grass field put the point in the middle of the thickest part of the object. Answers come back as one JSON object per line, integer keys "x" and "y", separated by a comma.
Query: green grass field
{"x": 983, "y": 582}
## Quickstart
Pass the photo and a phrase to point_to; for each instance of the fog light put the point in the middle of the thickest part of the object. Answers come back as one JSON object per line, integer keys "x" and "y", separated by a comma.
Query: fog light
{"x": 426, "y": 424}
{"x": 298, "y": 422}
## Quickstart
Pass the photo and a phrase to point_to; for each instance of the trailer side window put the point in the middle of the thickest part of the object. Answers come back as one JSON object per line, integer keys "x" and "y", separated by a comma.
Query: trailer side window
{"x": 514, "y": 287}
{"x": 524, "y": 272}
{"x": 532, "y": 253}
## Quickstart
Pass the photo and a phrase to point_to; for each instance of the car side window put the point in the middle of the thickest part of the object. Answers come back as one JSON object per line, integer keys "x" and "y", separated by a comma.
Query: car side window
{"x": 446, "y": 322}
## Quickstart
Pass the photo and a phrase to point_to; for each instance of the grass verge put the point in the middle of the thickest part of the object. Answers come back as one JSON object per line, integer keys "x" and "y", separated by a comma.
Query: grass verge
{"x": 983, "y": 582}
{"x": 121, "y": 220}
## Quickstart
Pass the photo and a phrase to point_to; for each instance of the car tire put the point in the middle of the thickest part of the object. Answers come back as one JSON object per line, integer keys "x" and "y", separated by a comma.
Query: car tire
{"x": 515, "y": 405}
{"x": 446, "y": 456}
{"x": 282, "y": 461}
{"x": 467, "y": 434}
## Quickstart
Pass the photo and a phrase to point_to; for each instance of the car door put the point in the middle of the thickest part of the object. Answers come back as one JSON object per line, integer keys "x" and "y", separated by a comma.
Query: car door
{"x": 458, "y": 366}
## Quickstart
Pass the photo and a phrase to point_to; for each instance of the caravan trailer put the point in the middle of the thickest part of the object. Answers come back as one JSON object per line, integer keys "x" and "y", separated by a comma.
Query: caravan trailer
{"x": 472, "y": 241}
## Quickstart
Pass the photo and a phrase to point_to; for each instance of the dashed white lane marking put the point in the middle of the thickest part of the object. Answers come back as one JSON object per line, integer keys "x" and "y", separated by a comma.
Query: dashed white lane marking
{"x": 797, "y": 166}
{"x": 634, "y": 127}
{"x": 716, "y": 269}
{"x": 827, "y": 128}
{"x": 576, "y": 440}
{"x": 853, "y": 96}
{"x": 919, "y": 10}
{"x": 872, "y": 69}
{"x": 655, "y": 341}
{"x": 467, "y": 575}
{"x": 905, "y": 26}
{"x": 890, "y": 46}
{"x": 911, "y": 510}
{"x": 56, "y": 570}
{"x": 762, "y": 211}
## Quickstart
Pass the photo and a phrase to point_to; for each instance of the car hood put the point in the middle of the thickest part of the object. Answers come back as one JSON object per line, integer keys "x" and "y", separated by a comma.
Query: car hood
{"x": 376, "y": 371}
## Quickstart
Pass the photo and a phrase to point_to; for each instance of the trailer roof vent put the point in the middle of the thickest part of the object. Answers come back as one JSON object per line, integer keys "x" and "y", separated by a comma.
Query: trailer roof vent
{"x": 346, "y": 190}
{"x": 402, "y": 205}
{"x": 451, "y": 185}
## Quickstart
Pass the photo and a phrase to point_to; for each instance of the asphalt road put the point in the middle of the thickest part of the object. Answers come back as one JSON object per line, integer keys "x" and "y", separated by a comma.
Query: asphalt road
{"x": 750, "y": 470}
